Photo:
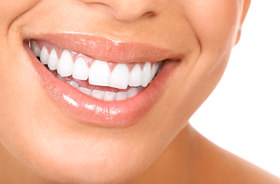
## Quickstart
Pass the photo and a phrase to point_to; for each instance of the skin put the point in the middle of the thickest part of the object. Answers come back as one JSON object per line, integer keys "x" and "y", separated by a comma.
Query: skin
{"x": 40, "y": 143}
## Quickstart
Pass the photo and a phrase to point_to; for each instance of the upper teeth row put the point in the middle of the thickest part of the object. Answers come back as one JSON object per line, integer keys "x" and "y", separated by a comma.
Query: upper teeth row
{"x": 99, "y": 72}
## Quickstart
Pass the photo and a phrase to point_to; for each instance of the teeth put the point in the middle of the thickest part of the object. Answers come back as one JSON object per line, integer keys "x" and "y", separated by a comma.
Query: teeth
{"x": 146, "y": 74}
{"x": 35, "y": 48}
{"x": 73, "y": 83}
{"x": 53, "y": 60}
{"x": 85, "y": 90}
{"x": 135, "y": 76}
{"x": 109, "y": 96}
{"x": 97, "y": 94}
{"x": 121, "y": 96}
{"x": 119, "y": 77}
{"x": 99, "y": 73}
{"x": 80, "y": 69}
{"x": 65, "y": 64}
{"x": 132, "y": 92}
{"x": 44, "y": 56}
{"x": 154, "y": 70}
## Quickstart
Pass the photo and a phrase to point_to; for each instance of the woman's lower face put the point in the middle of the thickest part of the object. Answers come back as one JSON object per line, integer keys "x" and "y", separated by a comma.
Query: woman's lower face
{"x": 95, "y": 91}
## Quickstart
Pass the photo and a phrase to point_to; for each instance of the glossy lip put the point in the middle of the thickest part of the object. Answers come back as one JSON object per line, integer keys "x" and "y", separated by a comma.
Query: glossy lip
{"x": 107, "y": 49}
{"x": 89, "y": 110}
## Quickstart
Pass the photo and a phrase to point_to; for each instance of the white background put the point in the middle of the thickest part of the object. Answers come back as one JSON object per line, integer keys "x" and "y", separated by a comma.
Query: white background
{"x": 243, "y": 114}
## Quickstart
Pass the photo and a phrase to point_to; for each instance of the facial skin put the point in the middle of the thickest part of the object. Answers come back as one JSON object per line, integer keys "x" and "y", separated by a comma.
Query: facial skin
{"x": 49, "y": 144}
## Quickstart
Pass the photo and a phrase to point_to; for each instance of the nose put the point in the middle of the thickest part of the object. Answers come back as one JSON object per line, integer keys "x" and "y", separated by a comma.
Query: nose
{"x": 130, "y": 10}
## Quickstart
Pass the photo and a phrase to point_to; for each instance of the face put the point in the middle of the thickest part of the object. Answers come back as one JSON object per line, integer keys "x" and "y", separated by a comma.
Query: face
{"x": 109, "y": 50}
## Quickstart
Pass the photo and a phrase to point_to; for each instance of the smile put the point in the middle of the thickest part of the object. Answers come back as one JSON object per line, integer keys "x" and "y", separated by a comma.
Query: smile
{"x": 99, "y": 79}
{"x": 116, "y": 92}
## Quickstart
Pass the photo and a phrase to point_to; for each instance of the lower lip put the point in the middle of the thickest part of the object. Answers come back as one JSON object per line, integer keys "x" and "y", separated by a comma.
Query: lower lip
{"x": 98, "y": 112}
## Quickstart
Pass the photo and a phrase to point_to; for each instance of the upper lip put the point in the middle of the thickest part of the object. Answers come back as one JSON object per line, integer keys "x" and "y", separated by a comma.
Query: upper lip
{"x": 107, "y": 49}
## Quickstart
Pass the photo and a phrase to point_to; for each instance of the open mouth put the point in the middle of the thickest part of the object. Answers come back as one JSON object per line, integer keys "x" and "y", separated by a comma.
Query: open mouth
{"x": 114, "y": 86}
{"x": 100, "y": 79}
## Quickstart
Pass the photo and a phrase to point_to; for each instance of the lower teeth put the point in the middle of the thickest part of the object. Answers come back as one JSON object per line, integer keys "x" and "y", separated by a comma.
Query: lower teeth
{"x": 107, "y": 94}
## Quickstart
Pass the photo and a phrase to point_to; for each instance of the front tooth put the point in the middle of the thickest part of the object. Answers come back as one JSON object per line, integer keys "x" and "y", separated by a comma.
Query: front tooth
{"x": 97, "y": 94}
{"x": 80, "y": 69}
{"x": 85, "y": 90}
{"x": 119, "y": 77}
{"x": 35, "y": 48}
{"x": 53, "y": 60}
{"x": 44, "y": 56}
{"x": 65, "y": 64}
{"x": 109, "y": 96}
{"x": 135, "y": 76}
{"x": 99, "y": 73}
{"x": 146, "y": 74}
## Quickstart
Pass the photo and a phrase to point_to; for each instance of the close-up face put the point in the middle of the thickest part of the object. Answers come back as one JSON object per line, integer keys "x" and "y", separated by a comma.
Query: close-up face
{"x": 95, "y": 91}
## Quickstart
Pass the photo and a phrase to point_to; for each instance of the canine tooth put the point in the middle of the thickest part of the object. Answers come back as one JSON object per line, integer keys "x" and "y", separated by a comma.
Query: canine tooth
{"x": 132, "y": 92}
{"x": 135, "y": 76}
{"x": 44, "y": 56}
{"x": 109, "y": 96}
{"x": 97, "y": 94}
{"x": 121, "y": 96}
{"x": 73, "y": 83}
{"x": 53, "y": 60}
{"x": 99, "y": 73}
{"x": 80, "y": 69}
{"x": 35, "y": 48}
{"x": 85, "y": 90}
{"x": 65, "y": 64}
{"x": 146, "y": 74}
{"x": 119, "y": 77}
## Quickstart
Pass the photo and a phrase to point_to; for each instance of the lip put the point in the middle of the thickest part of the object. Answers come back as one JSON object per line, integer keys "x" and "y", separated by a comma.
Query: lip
{"x": 107, "y": 49}
{"x": 87, "y": 109}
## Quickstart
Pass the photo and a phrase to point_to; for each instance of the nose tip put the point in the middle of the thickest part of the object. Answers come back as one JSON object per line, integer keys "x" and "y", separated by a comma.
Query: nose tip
{"x": 130, "y": 10}
{"x": 133, "y": 10}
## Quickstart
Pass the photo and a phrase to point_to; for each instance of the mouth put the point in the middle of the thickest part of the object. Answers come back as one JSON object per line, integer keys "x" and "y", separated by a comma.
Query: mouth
{"x": 100, "y": 79}
{"x": 110, "y": 93}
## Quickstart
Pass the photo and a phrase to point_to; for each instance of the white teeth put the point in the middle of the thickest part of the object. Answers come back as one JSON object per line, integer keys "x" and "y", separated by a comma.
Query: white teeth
{"x": 153, "y": 72}
{"x": 135, "y": 76}
{"x": 132, "y": 92}
{"x": 53, "y": 60}
{"x": 146, "y": 74}
{"x": 65, "y": 64}
{"x": 121, "y": 96}
{"x": 35, "y": 48}
{"x": 97, "y": 94}
{"x": 99, "y": 73}
{"x": 109, "y": 96}
{"x": 80, "y": 69}
{"x": 73, "y": 83}
{"x": 85, "y": 90}
{"x": 44, "y": 56}
{"x": 119, "y": 77}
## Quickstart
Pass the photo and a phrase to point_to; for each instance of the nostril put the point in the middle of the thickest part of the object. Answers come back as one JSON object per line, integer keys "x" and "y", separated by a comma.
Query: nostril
{"x": 149, "y": 14}
{"x": 128, "y": 10}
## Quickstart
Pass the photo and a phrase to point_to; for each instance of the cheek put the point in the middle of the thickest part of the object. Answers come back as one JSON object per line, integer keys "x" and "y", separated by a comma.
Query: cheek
{"x": 10, "y": 10}
{"x": 214, "y": 22}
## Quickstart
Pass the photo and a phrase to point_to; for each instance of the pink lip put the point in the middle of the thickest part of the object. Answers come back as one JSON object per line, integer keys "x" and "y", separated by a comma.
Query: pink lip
{"x": 109, "y": 50}
{"x": 89, "y": 110}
